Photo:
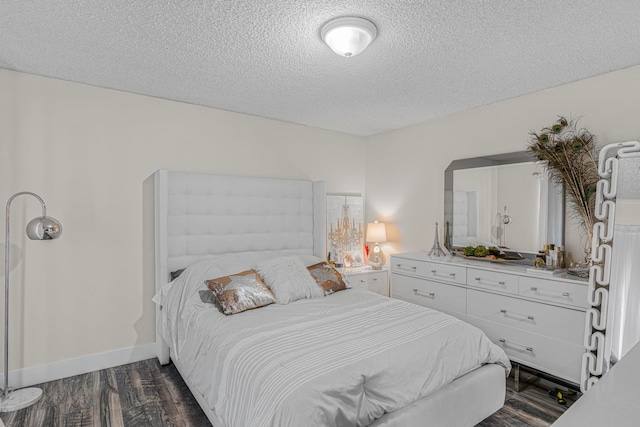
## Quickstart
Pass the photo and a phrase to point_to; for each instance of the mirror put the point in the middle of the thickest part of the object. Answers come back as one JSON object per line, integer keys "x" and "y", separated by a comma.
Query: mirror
{"x": 504, "y": 200}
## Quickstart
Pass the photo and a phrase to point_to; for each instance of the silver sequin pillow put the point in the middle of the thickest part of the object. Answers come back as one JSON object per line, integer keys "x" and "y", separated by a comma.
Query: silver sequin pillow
{"x": 327, "y": 277}
{"x": 240, "y": 292}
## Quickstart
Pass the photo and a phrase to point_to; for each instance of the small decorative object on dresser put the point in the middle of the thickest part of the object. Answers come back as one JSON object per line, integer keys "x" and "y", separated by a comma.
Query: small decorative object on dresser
{"x": 436, "y": 250}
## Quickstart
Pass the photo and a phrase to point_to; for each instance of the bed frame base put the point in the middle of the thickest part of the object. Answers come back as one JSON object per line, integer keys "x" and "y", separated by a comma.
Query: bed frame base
{"x": 464, "y": 402}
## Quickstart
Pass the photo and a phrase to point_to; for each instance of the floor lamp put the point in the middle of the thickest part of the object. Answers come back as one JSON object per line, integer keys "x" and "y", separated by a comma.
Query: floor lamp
{"x": 40, "y": 228}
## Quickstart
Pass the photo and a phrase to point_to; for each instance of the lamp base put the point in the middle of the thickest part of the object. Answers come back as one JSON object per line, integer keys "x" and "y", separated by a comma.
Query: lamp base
{"x": 376, "y": 258}
{"x": 20, "y": 399}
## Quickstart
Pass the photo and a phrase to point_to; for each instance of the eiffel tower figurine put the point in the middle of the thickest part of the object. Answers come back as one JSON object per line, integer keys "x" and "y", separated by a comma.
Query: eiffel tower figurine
{"x": 448, "y": 247}
{"x": 436, "y": 250}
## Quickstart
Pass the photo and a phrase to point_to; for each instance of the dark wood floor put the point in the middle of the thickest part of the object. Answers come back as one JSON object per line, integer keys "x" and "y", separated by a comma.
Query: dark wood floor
{"x": 146, "y": 394}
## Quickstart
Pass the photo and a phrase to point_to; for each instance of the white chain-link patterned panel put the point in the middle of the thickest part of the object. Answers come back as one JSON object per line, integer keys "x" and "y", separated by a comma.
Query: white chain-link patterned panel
{"x": 595, "y": 361}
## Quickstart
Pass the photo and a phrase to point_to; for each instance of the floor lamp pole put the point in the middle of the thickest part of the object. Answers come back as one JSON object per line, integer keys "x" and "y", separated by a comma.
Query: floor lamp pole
{"x": 41, "y": 228}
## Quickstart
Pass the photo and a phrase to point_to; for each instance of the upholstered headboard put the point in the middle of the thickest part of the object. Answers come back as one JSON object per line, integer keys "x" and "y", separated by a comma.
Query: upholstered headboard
{"x": 199, "y": 215}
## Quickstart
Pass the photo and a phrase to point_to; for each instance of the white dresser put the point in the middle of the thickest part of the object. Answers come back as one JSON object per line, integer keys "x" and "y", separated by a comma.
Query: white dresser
{"x": 538, "y": 321}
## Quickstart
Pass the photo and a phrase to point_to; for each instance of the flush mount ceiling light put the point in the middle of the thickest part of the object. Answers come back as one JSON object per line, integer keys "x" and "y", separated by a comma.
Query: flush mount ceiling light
{"x": 348, "y": 36}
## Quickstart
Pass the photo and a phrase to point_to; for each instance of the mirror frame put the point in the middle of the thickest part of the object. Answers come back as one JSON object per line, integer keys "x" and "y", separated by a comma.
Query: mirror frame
{"x": 479, "y": 162}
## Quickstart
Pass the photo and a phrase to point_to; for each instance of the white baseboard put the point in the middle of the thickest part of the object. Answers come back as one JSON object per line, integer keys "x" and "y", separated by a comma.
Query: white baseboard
{"x": 80, "y": 365}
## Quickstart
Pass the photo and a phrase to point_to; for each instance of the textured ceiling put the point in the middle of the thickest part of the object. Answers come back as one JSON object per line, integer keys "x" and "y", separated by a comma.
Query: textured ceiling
{"x": 266, "y": 58}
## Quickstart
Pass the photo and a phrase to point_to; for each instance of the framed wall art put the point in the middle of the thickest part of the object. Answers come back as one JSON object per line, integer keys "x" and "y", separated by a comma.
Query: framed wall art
{"x": 345, "y": 233}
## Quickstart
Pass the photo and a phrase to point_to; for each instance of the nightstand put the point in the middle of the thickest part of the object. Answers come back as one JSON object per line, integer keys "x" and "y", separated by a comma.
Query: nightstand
{"x": 367, "y": 278}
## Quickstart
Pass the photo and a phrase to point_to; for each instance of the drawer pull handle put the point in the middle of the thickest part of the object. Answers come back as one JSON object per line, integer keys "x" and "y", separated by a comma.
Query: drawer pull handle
{"x": 564, "y": 294}
{"x": 503, "y": 341}
{"x": 502, "y": 284}
{"x": 363, "y": 281}
{"x": 375, "y": 279}
{"x": 435, "y": 273}
{"x": 429, "y": 294}
{"x": 528, "y": 317}
{"x": 400, "y": 267}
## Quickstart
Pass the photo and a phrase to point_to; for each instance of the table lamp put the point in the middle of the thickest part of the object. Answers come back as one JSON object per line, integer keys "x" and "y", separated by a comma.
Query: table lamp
{"x": 377, "y": 233}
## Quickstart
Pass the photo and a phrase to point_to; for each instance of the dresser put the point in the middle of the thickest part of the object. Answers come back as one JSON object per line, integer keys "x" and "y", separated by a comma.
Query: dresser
{"x": 538, "y": 320}
{"x": 367, "y": 278}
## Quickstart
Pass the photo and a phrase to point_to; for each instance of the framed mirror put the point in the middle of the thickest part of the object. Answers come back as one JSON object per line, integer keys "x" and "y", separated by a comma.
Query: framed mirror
{"x": 503, "y": 200}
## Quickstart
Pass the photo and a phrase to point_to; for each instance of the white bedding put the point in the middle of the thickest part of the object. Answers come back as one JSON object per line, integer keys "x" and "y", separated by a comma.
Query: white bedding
{"x": 339, "y": 360}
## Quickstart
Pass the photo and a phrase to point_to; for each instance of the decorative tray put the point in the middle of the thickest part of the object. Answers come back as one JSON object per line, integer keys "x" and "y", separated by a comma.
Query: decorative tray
{"x": 497, "y": 260}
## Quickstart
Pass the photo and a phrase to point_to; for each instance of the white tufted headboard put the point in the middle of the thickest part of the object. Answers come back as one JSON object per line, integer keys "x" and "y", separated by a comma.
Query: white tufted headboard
{"x": 199, "y": 215}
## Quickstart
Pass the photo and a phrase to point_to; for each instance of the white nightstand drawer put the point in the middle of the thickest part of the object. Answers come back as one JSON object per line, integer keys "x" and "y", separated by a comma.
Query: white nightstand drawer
{"x": 492, "y": 280}
{"x": 554, "y": 291}
{"x": 439, "y": 296}
{"x": 564, "y": 324}
{"x": 409, "y": 266}
{"x": 553, "y": 356}
{"x": 374, "y": 281}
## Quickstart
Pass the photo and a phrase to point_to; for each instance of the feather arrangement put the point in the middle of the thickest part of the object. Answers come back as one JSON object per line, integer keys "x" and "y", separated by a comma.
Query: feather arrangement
{"x": 570, "y": 157}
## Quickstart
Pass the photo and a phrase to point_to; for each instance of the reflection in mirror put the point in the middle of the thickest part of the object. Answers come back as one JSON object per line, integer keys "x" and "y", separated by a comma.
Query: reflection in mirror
{"x": 503, "y": 200}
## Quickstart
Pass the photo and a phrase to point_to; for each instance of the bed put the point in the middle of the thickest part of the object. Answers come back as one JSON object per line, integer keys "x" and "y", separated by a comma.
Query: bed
{"x": 345, "y": 358}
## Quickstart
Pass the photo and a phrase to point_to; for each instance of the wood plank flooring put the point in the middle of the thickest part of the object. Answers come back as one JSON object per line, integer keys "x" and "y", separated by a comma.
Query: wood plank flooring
{"x": 147, "y": 394}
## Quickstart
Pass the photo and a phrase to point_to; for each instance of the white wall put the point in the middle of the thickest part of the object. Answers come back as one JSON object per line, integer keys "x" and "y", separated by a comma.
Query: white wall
{"x": 405, "y": 168}
{"x": 87, "y": 152}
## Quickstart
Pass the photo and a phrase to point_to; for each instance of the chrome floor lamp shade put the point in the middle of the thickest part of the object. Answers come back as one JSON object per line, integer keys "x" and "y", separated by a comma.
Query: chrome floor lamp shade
{"x": 41, "y": 228}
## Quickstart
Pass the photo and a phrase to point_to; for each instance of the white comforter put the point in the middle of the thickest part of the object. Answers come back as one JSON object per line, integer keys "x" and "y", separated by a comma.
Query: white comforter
{"x": 342, "y": 360}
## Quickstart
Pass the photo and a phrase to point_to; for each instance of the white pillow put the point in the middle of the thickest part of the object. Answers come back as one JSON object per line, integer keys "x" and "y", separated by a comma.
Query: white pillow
{"x": 288, "y": 279}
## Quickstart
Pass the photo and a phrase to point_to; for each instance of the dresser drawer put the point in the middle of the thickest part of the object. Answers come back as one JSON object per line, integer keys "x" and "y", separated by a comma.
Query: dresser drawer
{"x": 554, "y": 291}
{"x": 492, "y": 280}
{"x": 446, "y": 273}
{"x": 374, "y": 281}
{"x": 408, "y": 266}
{"x": 555, "y": 357}
{"x": 563, "y": 324}
{"x": 439, "y": 296}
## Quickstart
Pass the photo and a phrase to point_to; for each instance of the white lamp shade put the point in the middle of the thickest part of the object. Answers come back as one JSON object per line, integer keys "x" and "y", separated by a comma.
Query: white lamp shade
{"x": 348, "y": 36}
{"x": 376, "y": 232}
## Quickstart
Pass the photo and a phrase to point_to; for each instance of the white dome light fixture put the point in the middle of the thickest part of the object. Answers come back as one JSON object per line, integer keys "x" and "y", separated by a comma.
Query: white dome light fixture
{"x": 348, "y": 36}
